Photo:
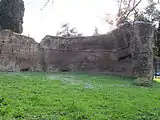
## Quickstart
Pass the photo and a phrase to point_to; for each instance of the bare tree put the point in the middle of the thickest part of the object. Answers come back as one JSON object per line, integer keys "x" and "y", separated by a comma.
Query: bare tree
{"x": 125, "y": 9}
{"x": 46, "y": 3}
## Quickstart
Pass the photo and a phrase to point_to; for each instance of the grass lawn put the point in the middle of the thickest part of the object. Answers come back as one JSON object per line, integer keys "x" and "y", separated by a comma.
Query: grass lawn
{"x": 68, "y": 96}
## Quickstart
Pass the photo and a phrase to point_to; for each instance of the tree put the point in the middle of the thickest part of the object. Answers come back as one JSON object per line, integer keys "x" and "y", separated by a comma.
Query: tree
{"x": 126, "y": 9}
{"x": 11, "y": 15}
{"x": 129, "y": 8}
{"x": 152, "y": 14}
{"x": 67, "y": 31}
{"x": 96, "y": 33}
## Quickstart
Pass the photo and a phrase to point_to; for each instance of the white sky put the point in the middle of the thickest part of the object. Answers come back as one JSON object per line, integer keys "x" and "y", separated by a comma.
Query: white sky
{"x": 82, "y": 14}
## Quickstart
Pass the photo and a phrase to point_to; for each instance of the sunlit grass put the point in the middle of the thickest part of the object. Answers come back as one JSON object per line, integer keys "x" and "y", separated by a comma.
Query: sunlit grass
{"x": 157, "y": 79}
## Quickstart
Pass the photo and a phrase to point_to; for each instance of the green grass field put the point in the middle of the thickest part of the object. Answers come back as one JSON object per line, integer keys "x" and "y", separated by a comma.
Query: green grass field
{"x": 68, "y": 96}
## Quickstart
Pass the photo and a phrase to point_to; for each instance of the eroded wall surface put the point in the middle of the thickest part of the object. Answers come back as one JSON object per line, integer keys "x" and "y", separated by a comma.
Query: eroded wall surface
{"x": 18, "y": 52}
{"x": 125, "y": 51}
{"x": 105, "y": 53}
{"x": 142, "y": 52}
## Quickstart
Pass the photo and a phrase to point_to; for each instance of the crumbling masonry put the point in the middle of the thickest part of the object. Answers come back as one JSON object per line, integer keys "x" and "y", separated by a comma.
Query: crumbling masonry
{"x": 125, "y": 51}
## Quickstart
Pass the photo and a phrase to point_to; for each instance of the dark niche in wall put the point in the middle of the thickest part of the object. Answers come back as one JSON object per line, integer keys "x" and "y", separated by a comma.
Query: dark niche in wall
{"x": 24, "y": 70}
{"x": 64, "y": 70}
{"x": 125, "y": 57}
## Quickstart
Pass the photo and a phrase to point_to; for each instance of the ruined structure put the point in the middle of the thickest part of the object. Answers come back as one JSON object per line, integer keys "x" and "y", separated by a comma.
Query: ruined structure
{"x": 11, "y": 15}
{"x": 125, "y": 51}
{"x": 142, "y": 52}
{"x": 18, "y": 52}
{"x": 105, "y": 53}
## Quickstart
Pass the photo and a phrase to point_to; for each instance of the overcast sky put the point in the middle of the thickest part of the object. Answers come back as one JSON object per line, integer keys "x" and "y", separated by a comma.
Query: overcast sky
{"x": 82, "y": 14}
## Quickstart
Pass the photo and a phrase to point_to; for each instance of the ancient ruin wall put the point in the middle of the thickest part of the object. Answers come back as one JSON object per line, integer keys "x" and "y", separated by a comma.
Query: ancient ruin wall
{"x": 92, "y": 54}
{"x": 142, "y": 53}
{"x": 18, "y": 52}
{"x": 125, "y": 51}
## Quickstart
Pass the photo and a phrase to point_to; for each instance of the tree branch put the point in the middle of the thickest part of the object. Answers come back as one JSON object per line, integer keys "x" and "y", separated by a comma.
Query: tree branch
{"x": 120, "y": 5}
{"x": 125, "y": 14}
{"x": 47, "y": 1}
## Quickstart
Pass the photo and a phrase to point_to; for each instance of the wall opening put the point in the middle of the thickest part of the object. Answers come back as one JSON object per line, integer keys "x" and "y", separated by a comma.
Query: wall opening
{"x": 64, "y": 70}
{"x": 125, "y": 57}
{"x": 0, "y": 51}
{"x": 24, "y": 70}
